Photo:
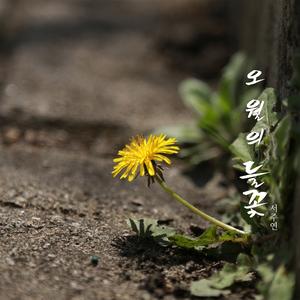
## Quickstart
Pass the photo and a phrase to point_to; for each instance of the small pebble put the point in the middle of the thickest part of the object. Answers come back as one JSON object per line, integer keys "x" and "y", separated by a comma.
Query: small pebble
{"x": 94, "y": 260}
{"x": 12, "y": 135}
{"x": 10, "y": 261}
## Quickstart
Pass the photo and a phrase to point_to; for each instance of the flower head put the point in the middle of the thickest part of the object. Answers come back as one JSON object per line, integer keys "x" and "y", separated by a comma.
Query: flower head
{"x": 141, "y": 155}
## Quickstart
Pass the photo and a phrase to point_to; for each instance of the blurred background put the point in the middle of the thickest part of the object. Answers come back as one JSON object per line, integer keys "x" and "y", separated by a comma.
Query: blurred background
{"x": 77, "y": 79}
{"x": 109, "y": 63}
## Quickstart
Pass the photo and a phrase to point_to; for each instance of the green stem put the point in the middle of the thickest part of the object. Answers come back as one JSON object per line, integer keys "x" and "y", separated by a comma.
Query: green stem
{"x": 196, "y": 210}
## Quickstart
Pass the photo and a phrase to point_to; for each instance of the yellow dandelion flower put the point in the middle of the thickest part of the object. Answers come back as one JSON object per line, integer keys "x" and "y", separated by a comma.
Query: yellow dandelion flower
{"x": 142, "y": 155}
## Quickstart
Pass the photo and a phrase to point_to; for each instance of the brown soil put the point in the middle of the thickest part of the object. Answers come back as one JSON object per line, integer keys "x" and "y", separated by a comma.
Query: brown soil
{"x": 80, "y": 78}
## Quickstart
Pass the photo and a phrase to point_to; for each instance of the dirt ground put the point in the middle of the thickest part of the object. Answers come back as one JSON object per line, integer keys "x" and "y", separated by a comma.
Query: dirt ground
{"x": 78, "y": 78}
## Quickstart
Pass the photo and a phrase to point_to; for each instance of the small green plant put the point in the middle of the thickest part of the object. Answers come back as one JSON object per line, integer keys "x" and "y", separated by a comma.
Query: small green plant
{"x": 219, "y": 283}
{"x": 146, "y": 229}
{"x": 210, "y": 242}
{"x": 264, "y": 258}
{"x": 274, "y": 281}
{"x": 276, "y": 156}
{"x": 257, "y": 263}
{"x": 219, "y": 114}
